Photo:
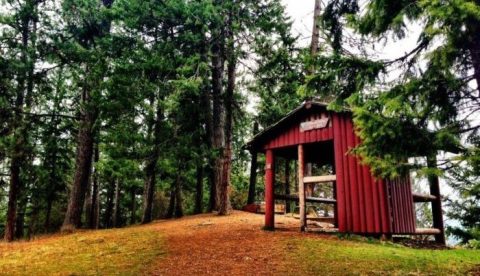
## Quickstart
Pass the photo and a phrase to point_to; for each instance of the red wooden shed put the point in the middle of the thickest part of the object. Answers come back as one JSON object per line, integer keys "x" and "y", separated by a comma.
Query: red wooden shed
{"x": 362, "y": 204}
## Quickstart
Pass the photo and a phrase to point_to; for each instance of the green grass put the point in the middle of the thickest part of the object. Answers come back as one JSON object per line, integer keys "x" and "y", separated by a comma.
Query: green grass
{"x": 344, "y": 257}
{"x": 106, "y": 252}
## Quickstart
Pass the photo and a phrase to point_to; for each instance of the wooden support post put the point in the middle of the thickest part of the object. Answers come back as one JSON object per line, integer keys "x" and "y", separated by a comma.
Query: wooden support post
{"x": 287, "y": 184}
{"x": 269, "y": 190}
{"x": 437, "y": 213}
{"x": 301, "y": 189}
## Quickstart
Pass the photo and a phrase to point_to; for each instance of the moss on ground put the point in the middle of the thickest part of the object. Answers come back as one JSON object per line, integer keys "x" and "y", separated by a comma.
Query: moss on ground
{"x": 124, "y": 251}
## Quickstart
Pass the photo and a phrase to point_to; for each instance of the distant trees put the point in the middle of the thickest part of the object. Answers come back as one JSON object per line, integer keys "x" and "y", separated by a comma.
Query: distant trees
{"x": 117, "y": 112}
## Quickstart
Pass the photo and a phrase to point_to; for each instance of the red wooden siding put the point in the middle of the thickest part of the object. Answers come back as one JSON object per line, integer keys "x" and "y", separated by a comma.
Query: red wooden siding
{"x": 361, "y": 199}
{"x": 293, "y": 136}
{"x": 403, "y": 216}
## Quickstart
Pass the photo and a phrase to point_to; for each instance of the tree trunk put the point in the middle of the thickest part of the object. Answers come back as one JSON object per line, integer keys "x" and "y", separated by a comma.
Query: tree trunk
{"x": 224, "y": 191}
{"x": 316, "y": 28}
{"x": 437, "y": 213}
{"x": 48, "y": 213}
{"x": 474, "y": 48}
{"x": 178, "y": 197}
{"x": 199, "y": 189}
{"x": 85, "y": 140}
{"x": 20, "y": 217}
{"x": 32, "y": 225}
{"x": 94, "y": 200}
{"x": 218, "y": 63}
{"x": 19, "y": 130}
{"x": 107, "y": 220}
{"x": 133, "y": 209}
{"x": 253, "y": 171}
{"x": 171, "y": 204}
{"x": 116, "y": 205}
{"x": 150, "y": 169}
{"x": 83, "y": 165}
{"x": 88, "y": 203}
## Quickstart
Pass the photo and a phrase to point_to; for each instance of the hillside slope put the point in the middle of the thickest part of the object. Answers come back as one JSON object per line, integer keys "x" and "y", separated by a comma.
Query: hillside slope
{"x": 233, "y": 245}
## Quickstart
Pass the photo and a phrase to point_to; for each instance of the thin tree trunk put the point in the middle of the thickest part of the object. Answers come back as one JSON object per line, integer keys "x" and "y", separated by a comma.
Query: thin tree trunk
{"x": 133, "y": 209}
{"x": 199, "y": 189}
{"x": 109, "y": 206}
{"x": 171, "y": 204}
{"x": 116, "y": 205}
{"x": 178, "y": 197}
{"x": 32, "y": 225}
{"x": 48, "y": 213}
{"x": 19, "y": 136}
{"x": 316, "y": 28}
{"x": 474, "y": 48}
{"x": 253, "y": 171}
{"x": 20, "y": 217}
{"x": 94, "y": 210}
{"x": 150, "y": 169}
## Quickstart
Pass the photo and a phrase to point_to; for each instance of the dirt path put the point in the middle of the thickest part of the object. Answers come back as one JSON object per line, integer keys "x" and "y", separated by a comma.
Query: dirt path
{"x": 231, "y": 245}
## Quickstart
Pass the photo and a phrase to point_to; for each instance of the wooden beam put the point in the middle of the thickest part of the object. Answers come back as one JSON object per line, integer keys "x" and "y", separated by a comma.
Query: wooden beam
{"x": 423, "y": 197}
{"x": 301, "y": 189}
{"x": 269, "y": 190}
{"x": 319, "y": 179}
{"x": 427, "y": 231}
{"x": 321, "y": 230}
{"x": 307, "y": 199}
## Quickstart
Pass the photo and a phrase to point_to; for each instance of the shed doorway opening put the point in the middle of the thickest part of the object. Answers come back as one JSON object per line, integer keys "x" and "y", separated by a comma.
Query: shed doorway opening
{"x": 318, "y": 180}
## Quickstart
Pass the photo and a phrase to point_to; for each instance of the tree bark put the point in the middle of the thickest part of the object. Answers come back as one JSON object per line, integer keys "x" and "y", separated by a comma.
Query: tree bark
{"x": 20, "y": 217}
{"x": 116, "y": 205}
{"x": 218, "y": 63}
{"x": 107, "y": 220}
{"x": 88, "y": 203}
{"x": 315, "y": 28}
{"x": 171, "y": 204}
{"x": 253, "y": 171}
{"x": 475, "y": 55}
{"x": 224, "y": 191}
{"x": 133, "y": 209}
{"x": 83, "y": 164}
{"x": 199, "y": 189}
{"x": 437, "y": 213}
{"x": 94, "y": 200}
{"x": 150, "y": 169}
{"x": 178, "y": 197}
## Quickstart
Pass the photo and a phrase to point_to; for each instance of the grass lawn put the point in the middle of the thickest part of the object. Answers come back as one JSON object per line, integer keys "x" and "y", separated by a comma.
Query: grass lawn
{"x": 347, "y": 257}
{"x": 106, "y": 252}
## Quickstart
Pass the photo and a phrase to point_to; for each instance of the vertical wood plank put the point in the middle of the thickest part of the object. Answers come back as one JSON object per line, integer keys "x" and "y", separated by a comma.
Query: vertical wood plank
{"x": 339, "y": 184}
{"x": 269, "y": 190}
{"x": 301, "y": 189}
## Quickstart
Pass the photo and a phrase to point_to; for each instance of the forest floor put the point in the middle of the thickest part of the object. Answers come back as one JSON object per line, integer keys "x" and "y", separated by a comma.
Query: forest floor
{"x": 229, "y": 245}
